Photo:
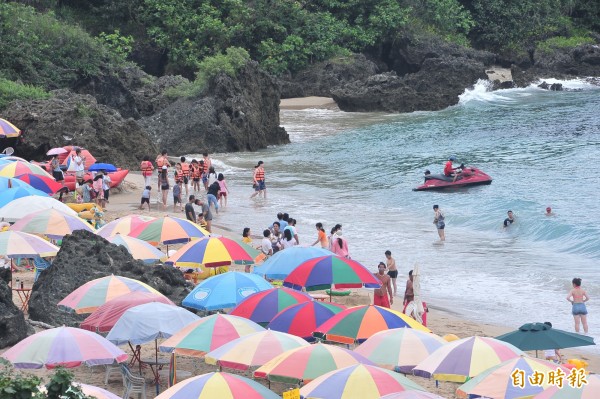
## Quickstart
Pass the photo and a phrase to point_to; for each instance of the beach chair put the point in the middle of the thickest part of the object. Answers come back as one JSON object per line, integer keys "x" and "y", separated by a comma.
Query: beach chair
{"x": 133, "y": 384}
{"x": 40, "y": 264}
{"x": 111, "y": 369}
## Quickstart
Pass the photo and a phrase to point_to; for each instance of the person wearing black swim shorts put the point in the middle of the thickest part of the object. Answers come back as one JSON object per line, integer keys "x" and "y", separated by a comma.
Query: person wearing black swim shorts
{"x": 392, "y": 270}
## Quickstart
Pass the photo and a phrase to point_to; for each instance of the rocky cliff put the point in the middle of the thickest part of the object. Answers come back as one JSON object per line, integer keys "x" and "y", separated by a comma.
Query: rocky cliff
{"x": 13, "y": 327}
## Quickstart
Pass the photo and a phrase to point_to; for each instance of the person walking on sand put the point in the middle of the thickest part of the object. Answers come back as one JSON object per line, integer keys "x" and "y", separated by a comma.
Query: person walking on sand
{"x": 163, "y": 184}
{"x": 185, "y": 169}
{"x": 392, "y": 270}
{"x": 145, "y": 197}
{"x": 578, "y": 297}
{"x": 259, "y": 180}
{"x": 161, "y": 160}
{"x": 439, "y": 221}
{"x": 321, "y": 237}
{"x": 147, "y": 169}
{"x": 409, "y": 294}
{"x": 190, "y": 213}
{"x": 380, "y": 297}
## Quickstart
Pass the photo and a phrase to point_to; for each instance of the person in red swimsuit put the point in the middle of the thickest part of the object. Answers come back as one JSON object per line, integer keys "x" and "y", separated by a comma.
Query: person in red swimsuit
{"x": 448, "y": 169}
{"x": 380, "y": 297}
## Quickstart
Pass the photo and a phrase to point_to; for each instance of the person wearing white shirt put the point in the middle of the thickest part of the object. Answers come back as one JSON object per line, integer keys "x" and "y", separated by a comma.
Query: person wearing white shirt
{"x": 265, "y": 245}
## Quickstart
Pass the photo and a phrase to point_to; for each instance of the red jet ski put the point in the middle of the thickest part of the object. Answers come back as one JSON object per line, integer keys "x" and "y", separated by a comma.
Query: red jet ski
{"x": 469, "y": 176}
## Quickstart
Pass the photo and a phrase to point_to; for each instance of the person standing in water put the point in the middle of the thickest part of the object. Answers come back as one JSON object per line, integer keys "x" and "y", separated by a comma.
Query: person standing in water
{"x": 578, "y": 297}
{"x": 509, "y": 220}
{"x": 549, "y": 212}
{"x": 392, "y": 269}
{"x": 380, "y": 297}
{"x": 321, "y": 236}
{"x": 439, "y": 221}
{"x": 259, "y": 180}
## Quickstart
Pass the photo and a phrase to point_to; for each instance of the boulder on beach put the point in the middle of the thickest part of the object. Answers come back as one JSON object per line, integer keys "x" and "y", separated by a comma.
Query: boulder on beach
{"x": 85, "y": 256}
{"x": 13, "y": 327}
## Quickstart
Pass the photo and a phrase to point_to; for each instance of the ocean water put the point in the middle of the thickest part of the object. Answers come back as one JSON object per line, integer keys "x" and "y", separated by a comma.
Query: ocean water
{"x": 541, "y": 148}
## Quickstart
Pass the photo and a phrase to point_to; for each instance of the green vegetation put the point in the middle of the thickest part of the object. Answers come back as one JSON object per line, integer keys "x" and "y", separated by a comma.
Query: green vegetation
{"x": 560, "y": 42}
{"x": 10, "y": 91}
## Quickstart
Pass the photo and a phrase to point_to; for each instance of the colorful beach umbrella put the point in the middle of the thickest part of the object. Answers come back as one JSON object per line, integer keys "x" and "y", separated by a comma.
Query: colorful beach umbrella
{"x": 42, "y": 183}
{"x": 52, "y": 223}
{"x": 208, "y": 334}
{"x": 461, "y": 360}
{"x": 280, "y": 265}
{"x": 572, "y": 391}
{"x": 103, "y": 319}
{"x": 412, "y": 395}
{"x": 21, "y": 207}
{"x": 262, "y": 306}
{"x": 499, "y": 381}
{"x": 253, "y": 350}
{"x": 358, "y": 323}
{"x": 63, "y": 346}
{"x": 7, "y": 182}
{"x": 148, "y": 322}
{"x": 96, "y": 392}
{"x": 95, "y": 293}
{"x": 218, "y": 386}
{"x": 8, "y": 130}
{"x": 123, "y": 226}
{"x": 16, "y": 244}
{"x": 168, "y": 230}
{"x": 225, "y": 290}
{"x": 18, "y": 168}
{"x": 400, "y": 349}
{"x": 540, "y": 336}
{"x": 210, "y": 252}
{"x": 9, "y": 194}
{"x": 359, "y": 381}
{"x": 306, "y": 363}
{"x": 303, "y": 319}
{"x": 138, "y": 249}
{"x": 327, "y": 271}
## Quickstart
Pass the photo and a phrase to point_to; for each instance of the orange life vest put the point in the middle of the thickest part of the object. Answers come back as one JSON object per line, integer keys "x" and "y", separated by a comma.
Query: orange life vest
{"x": 196, "y": 171}
{"x": 147, "y": 168}
{"x": 185, "y": 168}
{"x": 260, "y": 174}
{"x": 160, "y": 162}
{"x": 178, "y": 176}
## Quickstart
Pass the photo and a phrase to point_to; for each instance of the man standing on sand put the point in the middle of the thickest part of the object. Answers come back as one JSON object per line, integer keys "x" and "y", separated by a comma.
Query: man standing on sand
{"x": 79, "y": 165}
{"x": 380, "y": 298}
{"x": 392, "y": 270}
{"x": 409, "y": 294}
{"x": 190, "y": 213}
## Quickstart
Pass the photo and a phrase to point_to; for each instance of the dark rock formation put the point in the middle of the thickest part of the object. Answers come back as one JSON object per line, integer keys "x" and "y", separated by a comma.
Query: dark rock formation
{"x": 13, "y": 327}
{"x": 86, "y": 256}
{"x": 436, "y": 85}
{"x": 234, "y": 114}
{"x": 76, "y": 119}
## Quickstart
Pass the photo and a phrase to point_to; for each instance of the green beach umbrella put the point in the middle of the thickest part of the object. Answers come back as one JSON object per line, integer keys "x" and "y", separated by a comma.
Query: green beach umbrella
{"x": 540, "y": 336}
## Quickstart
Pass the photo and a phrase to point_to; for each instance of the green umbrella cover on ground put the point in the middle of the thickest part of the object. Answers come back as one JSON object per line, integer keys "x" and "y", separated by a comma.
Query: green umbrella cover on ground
{"x": 541, "y": 336}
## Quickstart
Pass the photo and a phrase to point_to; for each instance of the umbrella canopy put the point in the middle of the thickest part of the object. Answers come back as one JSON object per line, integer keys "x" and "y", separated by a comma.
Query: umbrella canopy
{"x": 149, "y": 321}
{"x": 303, "y": 319}
{"x": 95, "y": 293}
{"x": 103, "y": 319}
{"x": 412, "y": 395}
{"x": 358, "y": 382}
{"x": 253, "y": 350}
{"x": 123, "y": 225}
{"x": 42, "y": 183}
{"x": 8, "y": 130}
{"x": 540, "y": 336}
{"x": 102, "y": 166}
{"x": 138, "y": 249}
{"x": 7, "y": 182}
{"x": 52, "y": 223}
{"x": 497, "y": 381}
{"x": 63, "y": 346}
{"x": 587, "y": 391}
{"x": 16, "y": 244}
{"x": 208, "y": 334}
{"x": 21, "y": 207}
{"x": 68, "y": 158}
{"x": 210, "y": 252}
{"x": 304, "y": 364}
{"x": 358, "y": 323}
{"x": 97, "y": 392}
{"x": 326, "y": 271}
{"x": 400, "y": 349}
{"x": 9, "y": 194}
{"x": 262, "y": 306}
{"x": 225, "y": 290}
{"x": 281, "y": 264}
{"x": 461, "y": 360}
{"x": 17, "y": 168}
{"x": 168, "y": 230}
{"x": 56, "y": 151}
{"x": 218, "y": 385}
{"x": 415, "y": 307}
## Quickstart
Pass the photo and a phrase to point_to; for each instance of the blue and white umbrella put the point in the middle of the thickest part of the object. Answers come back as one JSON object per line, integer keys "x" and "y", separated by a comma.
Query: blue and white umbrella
{"x": 102, "y": 166}
{"x": 10, "y": 194}
{"x": 281, "y": 264}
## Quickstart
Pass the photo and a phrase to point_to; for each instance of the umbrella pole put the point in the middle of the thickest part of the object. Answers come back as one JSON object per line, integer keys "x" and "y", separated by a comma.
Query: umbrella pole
{"x": 156, "y": 362}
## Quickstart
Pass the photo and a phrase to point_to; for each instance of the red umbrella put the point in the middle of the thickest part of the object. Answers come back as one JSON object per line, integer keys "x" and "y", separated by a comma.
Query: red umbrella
{"x": 42, "y": 183}
{"x": 106, "y": 316}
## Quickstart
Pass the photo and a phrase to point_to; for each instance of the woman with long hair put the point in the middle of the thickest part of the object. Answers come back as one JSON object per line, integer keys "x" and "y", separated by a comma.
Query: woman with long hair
{"x": 163, "y": 182}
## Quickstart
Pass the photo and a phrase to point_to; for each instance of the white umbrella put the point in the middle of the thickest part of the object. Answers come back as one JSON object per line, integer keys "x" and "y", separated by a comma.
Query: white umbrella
{"x": 415, "y": 307}
{"x": 21, "y": 207}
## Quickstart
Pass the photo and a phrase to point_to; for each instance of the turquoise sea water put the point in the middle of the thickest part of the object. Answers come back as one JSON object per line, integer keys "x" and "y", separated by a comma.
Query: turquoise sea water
{"x": 541, "y": 148}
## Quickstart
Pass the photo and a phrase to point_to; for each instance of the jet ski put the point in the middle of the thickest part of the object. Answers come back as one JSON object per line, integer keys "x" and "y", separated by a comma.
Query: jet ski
{"x": 469, "y": 176}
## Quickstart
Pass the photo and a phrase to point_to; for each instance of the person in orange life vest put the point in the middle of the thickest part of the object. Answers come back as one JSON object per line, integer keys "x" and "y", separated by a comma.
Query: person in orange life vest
{"x": 196, "y": 174}
{"x": 185, "y": 168}
{"x": 259, "y": 180}
{"x": 178, "y": 173}
{"x": 207, "y": 163}
{"x": 161, "y": 160}
{"x": 147, "y": 168}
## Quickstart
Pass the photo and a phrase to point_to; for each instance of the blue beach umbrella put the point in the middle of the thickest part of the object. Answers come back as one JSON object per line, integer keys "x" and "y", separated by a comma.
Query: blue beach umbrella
{"x": 102, "y": 166}
{"x": 6, "y": 182}
{"x": 281, "y": 264}
{"x": 10, "y": 194}
{"x": 225, "y": 291}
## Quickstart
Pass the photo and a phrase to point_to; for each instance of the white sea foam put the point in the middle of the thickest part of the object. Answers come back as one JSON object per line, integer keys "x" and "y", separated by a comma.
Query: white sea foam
{"x": 569, "y": 84}
{"x": 482, "y": 92}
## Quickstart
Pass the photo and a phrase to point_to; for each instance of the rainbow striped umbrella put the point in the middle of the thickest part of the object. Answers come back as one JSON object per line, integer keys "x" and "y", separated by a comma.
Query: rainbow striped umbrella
{"x": 209, "y": 333}
{"x": 497, "y": 381}
{"x": 283, "y": 263}
{"x": 63, "y": 346}
{"x": 412, "y": 395}
{"x": 97, "y": 392}
{"x": 18, "y": 168}
{"x": 95, "y": 293}
{"x": 400, "y": 349}
{"x": 8, "y": 130}
{"x": 138, "y": 249}
{"x": 587, "y": 391}
{"x": 359, "y": 381}
{"x": 9, "y": 194}
{"x": 218, "y": 386}
{"x": 262, "y": 306}
{"x": 42, "y": 183}
{"x": 307, "y": 363}
{"x": 326, "y": 271}
{"x": 16, "y": 244}
{"x": 458, "y": 361}
{"x": 168, "y": 230}
{"x": 123, "y": 226}
{"x": 303, "y": 319}
{"x": 52, "y": 223}
{"x": 253, "y": 350}
{"x": 210, "y": 252}
{"x": 358, "y": 323}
